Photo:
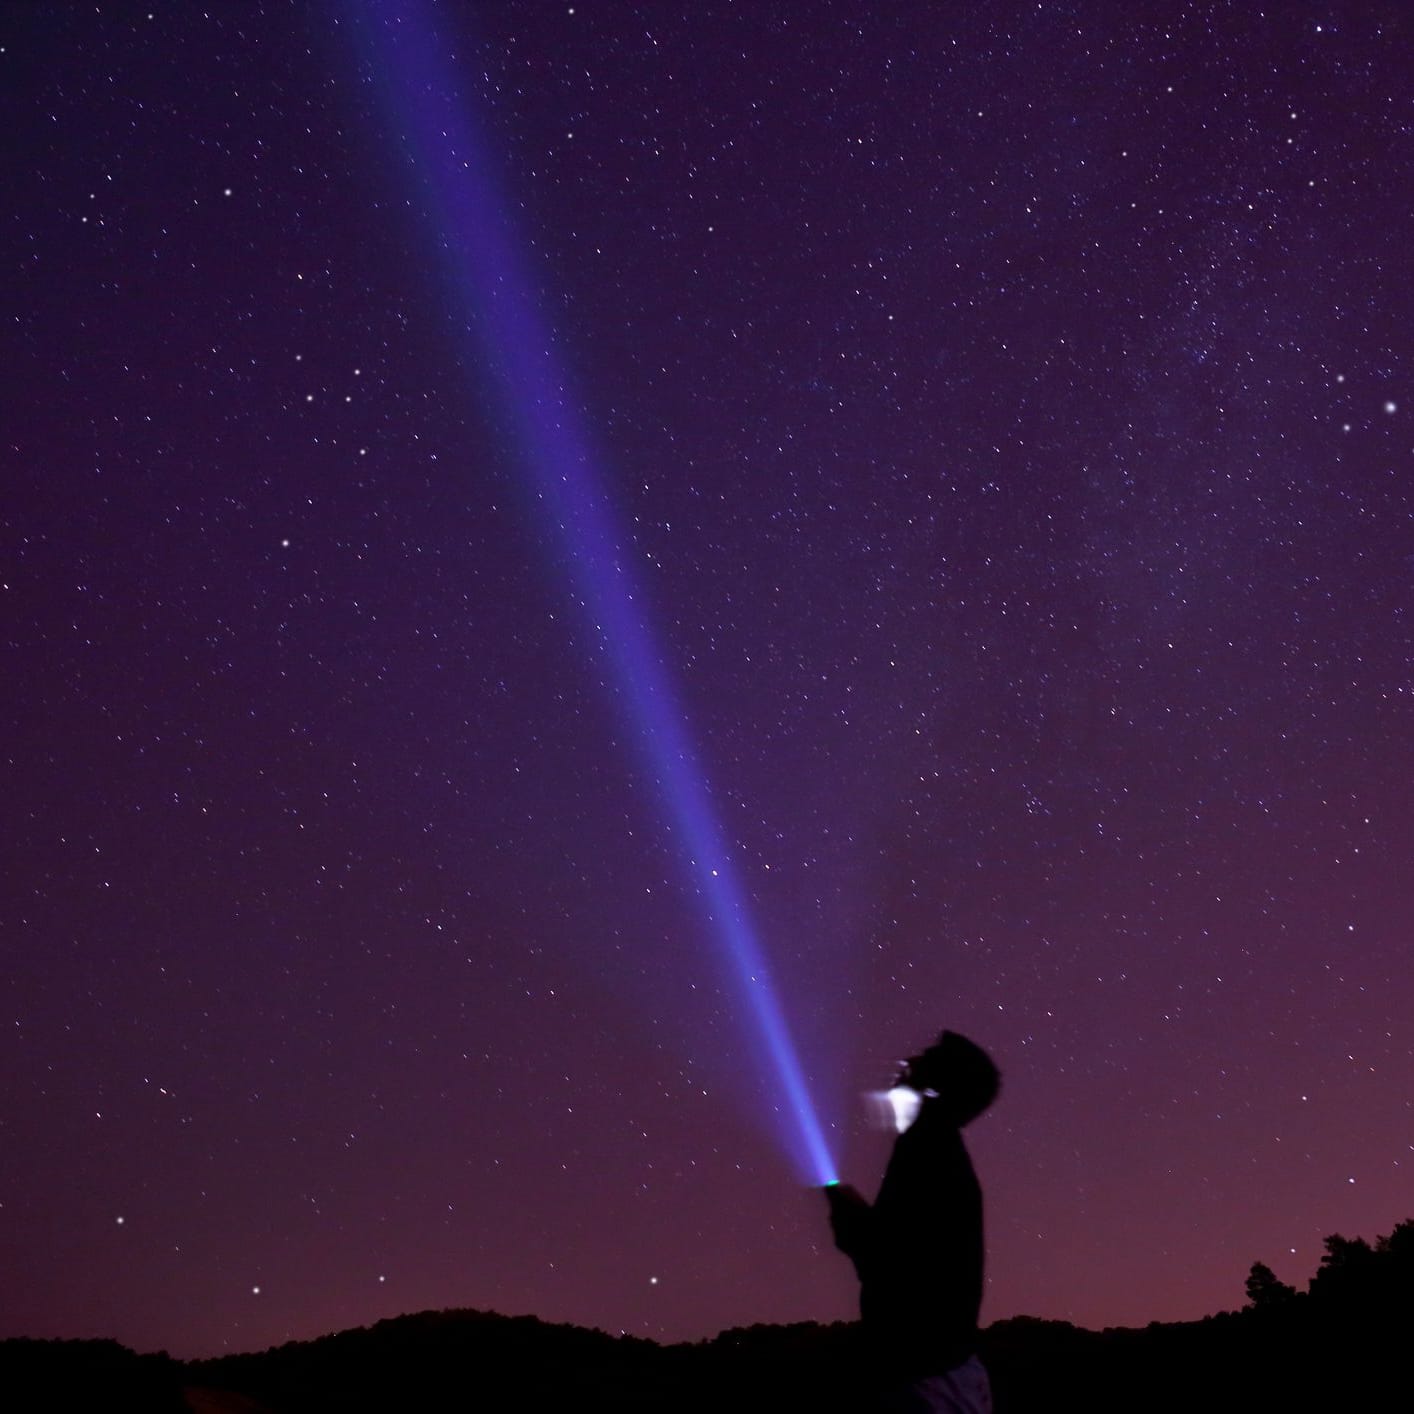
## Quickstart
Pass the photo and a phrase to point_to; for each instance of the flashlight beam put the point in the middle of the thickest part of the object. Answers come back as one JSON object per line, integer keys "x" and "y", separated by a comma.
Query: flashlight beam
{"x": 496, "y": 297}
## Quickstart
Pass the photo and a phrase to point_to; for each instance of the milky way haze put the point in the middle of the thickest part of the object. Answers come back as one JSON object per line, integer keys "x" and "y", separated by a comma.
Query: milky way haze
{"x": 1002, "y": 416}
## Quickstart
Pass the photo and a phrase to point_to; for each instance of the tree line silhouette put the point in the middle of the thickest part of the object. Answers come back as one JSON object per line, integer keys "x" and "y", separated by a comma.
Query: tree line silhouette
{"x": 1354, "y": 1278}
{"x": 1343, "y": 1343}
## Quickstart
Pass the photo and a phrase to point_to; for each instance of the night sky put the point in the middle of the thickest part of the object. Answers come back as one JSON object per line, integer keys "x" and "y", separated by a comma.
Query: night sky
{"x": 1002, "y": 414}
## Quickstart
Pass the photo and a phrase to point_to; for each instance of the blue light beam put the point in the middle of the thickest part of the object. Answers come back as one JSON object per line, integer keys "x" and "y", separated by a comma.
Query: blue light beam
{"x": 497, "y": 297}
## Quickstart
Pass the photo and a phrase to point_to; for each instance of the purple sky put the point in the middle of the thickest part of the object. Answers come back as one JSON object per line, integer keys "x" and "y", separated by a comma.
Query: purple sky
{"x": 1005, "y": 414}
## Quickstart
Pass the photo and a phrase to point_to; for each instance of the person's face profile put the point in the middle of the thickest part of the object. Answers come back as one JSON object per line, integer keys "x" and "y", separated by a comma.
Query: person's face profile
{"x": 921, "y": 1072}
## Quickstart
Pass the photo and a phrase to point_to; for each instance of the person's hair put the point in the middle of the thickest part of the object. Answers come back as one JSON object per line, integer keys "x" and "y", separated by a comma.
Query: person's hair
{"x": 968, "y": 1078}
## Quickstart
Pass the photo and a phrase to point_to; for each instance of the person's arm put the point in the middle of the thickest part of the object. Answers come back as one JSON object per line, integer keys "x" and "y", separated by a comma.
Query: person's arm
{"x": 851, "y": 1221}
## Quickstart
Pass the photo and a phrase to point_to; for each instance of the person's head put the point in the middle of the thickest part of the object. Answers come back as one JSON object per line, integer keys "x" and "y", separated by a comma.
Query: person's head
{"x": 960, "y": 1073}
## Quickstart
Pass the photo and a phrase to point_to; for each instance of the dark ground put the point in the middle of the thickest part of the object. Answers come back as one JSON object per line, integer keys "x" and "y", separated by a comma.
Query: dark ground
{"x": 1341, "y": 1345}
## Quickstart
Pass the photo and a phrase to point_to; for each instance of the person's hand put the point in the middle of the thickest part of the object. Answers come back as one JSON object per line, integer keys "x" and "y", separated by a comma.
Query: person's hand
{"x": 844, "y": 1195}
{"x": 849, "y": 1215}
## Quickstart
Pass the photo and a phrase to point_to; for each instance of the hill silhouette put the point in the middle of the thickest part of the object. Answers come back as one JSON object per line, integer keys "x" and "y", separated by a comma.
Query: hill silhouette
{"x": 1341, "y": 1344}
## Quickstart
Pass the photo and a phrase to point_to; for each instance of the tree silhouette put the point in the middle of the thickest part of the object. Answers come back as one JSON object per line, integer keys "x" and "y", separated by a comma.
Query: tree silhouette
{"x": 1399, "y": 1245}
{"x": 1348, "y": 1271}
{"x": 1264, "y": 1290}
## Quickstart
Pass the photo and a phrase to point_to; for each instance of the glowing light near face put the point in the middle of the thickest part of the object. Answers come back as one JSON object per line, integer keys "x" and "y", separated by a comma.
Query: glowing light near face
{"x": 498, "y": 299}
{"x": 895, "y": 1109}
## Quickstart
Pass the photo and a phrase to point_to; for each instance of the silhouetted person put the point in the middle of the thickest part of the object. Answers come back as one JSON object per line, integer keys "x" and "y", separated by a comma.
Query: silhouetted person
{"x": 918, "y": 1250}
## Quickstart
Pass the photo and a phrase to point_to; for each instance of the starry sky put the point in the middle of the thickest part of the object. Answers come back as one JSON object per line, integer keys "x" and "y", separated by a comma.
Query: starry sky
{"x": 1003, "y": 413}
